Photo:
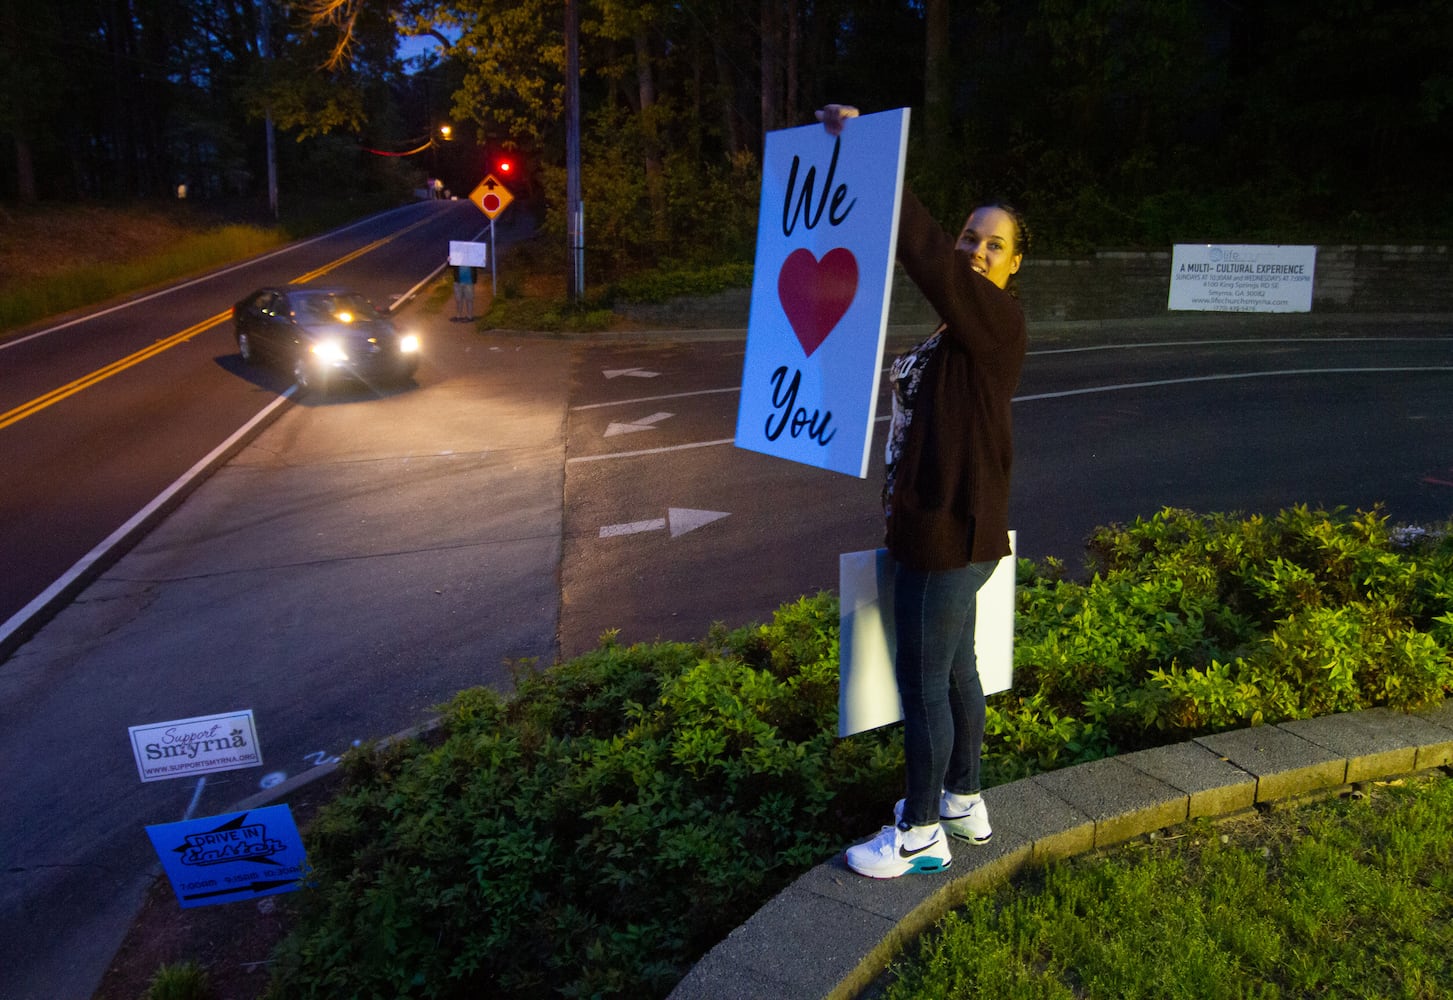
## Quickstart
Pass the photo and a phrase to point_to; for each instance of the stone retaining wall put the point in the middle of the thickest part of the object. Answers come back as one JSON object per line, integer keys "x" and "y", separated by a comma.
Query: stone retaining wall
{"x": 1128, "y": 285}
{"x": 1118, "y": 285}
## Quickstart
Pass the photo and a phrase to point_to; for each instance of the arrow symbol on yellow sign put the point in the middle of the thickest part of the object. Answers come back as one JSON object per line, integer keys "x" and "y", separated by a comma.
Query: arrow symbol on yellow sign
{"x": 491, "y": 197}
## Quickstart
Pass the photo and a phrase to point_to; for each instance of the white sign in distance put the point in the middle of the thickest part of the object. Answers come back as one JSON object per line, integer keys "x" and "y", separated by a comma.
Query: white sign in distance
{"x": 199, "y": 745}
{"x": 465, "y": 254}
{"x": 1242, "y": 278}
{"x": 868, "y": 687}
{"x": 827, "y": 231}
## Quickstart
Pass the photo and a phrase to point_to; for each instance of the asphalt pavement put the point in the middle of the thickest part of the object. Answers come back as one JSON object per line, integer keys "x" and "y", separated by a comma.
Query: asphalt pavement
{"x": 407, "y": 543}
{"x": 449, "y": 496}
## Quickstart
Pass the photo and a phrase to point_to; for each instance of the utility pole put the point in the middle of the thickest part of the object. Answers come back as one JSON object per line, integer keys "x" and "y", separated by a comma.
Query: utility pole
{"x": 574, "y": 210}
{"x": 267, "y": 125}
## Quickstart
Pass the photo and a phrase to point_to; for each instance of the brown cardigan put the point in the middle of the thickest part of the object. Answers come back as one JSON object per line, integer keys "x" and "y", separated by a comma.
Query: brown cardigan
{"x": 951, "y": 489}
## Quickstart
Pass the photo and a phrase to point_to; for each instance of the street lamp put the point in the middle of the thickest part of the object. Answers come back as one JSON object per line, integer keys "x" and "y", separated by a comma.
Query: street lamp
{"x": 446, "y": 133}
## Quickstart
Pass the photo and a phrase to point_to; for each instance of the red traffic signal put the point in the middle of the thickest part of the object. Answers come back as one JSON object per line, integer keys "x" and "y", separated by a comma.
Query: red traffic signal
{"x": 504, "y": 166}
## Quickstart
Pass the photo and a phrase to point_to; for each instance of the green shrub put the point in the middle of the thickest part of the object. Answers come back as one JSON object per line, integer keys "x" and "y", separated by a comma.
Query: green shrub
{"x": 601, "y": 829}
{"x": 665, "y": 284}
{"x": 1192, "y": 624}
{"x": 593, "y": 834}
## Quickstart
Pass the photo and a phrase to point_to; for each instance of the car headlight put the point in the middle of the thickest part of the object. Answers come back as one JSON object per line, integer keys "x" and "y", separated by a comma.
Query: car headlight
{"x": 409, "y": 343}
{"x": 330, "y": 351}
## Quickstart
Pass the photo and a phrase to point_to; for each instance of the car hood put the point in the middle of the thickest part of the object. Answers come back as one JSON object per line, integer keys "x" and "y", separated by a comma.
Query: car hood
{"x": 360, "y": 330}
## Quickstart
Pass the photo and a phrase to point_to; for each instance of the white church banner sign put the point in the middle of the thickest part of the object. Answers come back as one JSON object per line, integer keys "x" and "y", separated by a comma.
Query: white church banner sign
{"x": 1242, "y": 278}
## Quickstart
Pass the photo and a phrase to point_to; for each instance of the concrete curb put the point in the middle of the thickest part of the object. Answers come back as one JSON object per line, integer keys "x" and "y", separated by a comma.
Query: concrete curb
{"x": 832, "y": 933}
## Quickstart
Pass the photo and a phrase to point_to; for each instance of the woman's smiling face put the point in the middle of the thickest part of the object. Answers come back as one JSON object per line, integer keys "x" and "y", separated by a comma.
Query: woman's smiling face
{"x": 990, "y": 240}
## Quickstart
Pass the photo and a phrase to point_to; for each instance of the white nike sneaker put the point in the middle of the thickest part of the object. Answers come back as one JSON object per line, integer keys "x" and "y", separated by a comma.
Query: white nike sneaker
{"x": 965, "y": 817}
{"x": 889, "y": 855}
{"x": 962, "y": 816}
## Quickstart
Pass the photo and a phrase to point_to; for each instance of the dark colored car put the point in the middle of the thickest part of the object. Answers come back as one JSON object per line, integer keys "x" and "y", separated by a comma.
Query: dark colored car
{"x": 321, "y": 335}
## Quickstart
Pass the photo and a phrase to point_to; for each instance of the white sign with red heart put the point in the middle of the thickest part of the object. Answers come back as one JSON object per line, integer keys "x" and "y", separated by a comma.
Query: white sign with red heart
{"x": 826, "y": 231}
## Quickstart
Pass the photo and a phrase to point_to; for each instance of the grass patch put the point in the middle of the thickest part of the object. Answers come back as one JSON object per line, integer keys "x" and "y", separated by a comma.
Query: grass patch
{"x": 56, "y": 259}
{"x": 1351, "y": 897}
{"x": 87, "y": 284}
{"x": 183, "y": 981}
{"x": 532, "y": 293}
{"x": 548, "y": 315}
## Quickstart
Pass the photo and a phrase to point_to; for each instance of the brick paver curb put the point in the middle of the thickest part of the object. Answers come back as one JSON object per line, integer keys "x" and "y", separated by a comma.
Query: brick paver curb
{"x": 831, "y": 933}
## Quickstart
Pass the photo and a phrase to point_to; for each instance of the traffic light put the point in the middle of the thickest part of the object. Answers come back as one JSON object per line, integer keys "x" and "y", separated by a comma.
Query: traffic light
{"x": 504, "y": 165}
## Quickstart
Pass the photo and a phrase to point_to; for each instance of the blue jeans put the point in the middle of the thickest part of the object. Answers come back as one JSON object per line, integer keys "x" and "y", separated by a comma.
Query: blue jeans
{"x": 938, "y": 680}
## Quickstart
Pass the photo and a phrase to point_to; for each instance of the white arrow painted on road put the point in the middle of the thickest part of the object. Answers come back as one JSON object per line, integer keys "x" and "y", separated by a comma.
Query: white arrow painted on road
{"x": 644, "y": 424}
{"x": 629, "y": 373}
{"x": 680, "y": 520}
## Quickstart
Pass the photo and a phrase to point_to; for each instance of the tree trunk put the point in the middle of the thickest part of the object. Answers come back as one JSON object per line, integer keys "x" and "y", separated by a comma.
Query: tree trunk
{"x": 726, "y": 88}
{"x": 655, "y": 179}
{"x": 771, "y": 65}
{"x": 794, "y": 45}
{"x": 937, "y": 84}
{"x": 24, "y": 171}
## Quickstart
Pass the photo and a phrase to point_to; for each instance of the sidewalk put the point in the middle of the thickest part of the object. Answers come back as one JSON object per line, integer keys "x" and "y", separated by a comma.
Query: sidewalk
{"x": 852, "y": 927}
{"x": 337, "y": 572}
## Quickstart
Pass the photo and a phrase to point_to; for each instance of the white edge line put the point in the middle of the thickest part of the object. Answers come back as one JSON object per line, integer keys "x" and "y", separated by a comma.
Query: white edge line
{"x": 41, "y": 601}
{"x": 193, "y": 281}
{"x": 1214, "y": 343}
{"x": 1090, "y": 390}
{"x": 1076, "y": 350}
{"x": 82, "y": 565}
{"x": 1224, "y": 378}
{"x": 649, "y": 451}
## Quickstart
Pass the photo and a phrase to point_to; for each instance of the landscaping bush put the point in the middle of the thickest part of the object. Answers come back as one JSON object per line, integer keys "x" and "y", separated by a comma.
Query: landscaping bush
{"x": 595, "y": 833}
{"x": 598, "y": 831}
{"x": 1192, "y": 624}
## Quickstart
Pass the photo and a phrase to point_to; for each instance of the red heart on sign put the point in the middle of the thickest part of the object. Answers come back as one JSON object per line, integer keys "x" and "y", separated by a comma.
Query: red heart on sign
{"x": 816, "y": 293}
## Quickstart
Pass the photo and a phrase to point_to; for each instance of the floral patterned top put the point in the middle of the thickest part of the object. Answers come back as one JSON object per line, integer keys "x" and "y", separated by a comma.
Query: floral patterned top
{"x": 903, "y": 378}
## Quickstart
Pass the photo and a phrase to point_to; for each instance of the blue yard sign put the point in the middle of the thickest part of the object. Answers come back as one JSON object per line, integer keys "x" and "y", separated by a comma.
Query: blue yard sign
{"x": 826, "y": 233}
{"x": 223, "y": 859}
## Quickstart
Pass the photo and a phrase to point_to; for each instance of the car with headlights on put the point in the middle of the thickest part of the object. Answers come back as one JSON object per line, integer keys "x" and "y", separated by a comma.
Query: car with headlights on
{"x": 323, "y": 335}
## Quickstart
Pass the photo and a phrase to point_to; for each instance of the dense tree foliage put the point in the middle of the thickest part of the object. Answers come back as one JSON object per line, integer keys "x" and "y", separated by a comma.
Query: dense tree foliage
{"x": 125, "y": 99}
{"x": 1110, "y": 121}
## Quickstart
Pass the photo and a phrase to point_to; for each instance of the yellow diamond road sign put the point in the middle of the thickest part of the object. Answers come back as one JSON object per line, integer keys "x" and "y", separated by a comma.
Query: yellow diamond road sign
{"x": 491, "y": 196}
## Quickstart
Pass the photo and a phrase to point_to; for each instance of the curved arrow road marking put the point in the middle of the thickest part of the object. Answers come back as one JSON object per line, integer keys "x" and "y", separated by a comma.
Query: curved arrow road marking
{"x": 679, "y": 520}
{"x": 643, "y": 424}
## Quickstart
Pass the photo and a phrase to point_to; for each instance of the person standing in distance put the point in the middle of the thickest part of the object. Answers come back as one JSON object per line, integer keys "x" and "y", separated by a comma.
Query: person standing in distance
{"x": 946, "y": 504}
{"x": 464, "y": 292}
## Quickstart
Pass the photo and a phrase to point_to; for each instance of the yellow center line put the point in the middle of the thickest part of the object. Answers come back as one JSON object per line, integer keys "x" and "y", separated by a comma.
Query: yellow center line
{"x": 86, "y": 381}
{"x": 115, "y": 367}
{"x": 313, "y": 275}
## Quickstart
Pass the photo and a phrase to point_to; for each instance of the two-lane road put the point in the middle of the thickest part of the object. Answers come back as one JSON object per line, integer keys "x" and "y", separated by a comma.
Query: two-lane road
{"x": 1107, "y": 430}
{"x": 99, "y": 415}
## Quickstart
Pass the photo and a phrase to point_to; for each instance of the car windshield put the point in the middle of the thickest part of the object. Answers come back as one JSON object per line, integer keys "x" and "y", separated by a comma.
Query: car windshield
{"x": 340, "y": 307}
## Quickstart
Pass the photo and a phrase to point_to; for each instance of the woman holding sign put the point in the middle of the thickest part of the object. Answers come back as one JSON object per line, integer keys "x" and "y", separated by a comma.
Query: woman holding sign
{"x": 946, "y": 501}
